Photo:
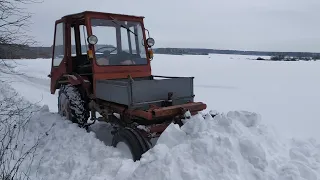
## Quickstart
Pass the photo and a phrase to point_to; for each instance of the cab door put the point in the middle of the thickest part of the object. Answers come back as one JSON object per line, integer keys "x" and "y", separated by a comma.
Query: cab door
{"x": 58, "y": 66}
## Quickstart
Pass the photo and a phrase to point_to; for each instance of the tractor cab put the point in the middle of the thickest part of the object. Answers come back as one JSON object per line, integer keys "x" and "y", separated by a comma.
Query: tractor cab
{"x": 100, "y": 46}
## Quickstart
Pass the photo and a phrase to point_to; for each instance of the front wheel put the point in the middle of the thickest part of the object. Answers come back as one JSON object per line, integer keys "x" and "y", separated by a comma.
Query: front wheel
{"x": 71, "y": 105}
{"x": 131, "y": 143}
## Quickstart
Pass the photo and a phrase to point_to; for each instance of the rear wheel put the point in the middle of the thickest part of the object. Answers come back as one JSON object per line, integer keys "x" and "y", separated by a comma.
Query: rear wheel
{"x": 71, "y": 105}
{"x": 131, "y": 143}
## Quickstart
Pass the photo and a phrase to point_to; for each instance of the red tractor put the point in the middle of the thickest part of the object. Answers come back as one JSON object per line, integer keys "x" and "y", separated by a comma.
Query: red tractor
{"x": 101, "y": 64}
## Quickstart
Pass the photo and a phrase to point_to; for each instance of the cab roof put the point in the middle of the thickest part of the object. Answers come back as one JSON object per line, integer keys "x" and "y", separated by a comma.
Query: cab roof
{"x": 86, "y": 13}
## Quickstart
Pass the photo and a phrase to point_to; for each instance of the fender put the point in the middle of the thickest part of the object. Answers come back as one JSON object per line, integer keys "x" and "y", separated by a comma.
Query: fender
{"x": 76, "y": 79}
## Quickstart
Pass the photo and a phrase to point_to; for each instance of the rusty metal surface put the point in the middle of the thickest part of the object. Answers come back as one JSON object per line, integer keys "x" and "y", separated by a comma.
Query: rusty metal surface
{"x": 178, "y": 109}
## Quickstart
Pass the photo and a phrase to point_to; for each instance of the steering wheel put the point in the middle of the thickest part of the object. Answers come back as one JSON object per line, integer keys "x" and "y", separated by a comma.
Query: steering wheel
{"x": 88, "y": 62}
{"x": 109, "y": 52}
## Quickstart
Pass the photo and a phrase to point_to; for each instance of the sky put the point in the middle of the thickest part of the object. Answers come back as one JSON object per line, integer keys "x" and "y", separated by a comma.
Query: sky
{"x": 264, "y": 25}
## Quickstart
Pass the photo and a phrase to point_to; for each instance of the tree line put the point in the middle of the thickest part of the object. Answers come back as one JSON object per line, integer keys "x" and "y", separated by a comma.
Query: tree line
{"x": 18, "y": 51}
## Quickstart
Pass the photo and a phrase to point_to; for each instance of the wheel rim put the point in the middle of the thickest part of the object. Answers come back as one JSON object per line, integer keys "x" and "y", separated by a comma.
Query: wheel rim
{"x": 64, "y": 106}
{"x": 125, "y": 149}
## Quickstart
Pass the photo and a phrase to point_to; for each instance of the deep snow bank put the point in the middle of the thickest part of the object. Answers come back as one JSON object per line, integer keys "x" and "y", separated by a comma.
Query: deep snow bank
{"x": 63, "y": 150}
{"x": 229, "y": 146}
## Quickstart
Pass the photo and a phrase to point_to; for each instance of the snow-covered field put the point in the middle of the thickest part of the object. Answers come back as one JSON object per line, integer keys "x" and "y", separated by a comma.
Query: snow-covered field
{"x": 286, "y": 94}
{"x": 278, "y": 99}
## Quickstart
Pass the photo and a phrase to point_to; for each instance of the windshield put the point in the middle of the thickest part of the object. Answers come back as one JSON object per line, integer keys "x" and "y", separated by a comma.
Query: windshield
{"x": 119, "y": 42}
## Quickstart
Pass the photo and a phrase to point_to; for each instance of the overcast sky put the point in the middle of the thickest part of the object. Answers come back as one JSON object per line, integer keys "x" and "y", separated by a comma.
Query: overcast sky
{"x": 270, "y": 25}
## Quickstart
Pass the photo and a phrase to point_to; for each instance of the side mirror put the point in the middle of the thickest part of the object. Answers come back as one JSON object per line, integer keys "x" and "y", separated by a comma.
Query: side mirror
{"x": 93, "y": 40}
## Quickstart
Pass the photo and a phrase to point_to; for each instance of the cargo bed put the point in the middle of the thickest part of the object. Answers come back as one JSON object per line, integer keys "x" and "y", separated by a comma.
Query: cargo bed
{"x": 140, "y": 92}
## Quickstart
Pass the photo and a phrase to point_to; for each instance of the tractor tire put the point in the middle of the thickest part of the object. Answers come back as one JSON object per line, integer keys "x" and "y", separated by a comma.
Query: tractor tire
{"x": 72, "y": 105}
{"x": 135, "y": 143}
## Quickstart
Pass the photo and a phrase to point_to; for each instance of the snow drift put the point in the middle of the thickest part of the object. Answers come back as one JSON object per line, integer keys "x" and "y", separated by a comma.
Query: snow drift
{"x": 230, "y": 146}
{"x": 63, "y": 150}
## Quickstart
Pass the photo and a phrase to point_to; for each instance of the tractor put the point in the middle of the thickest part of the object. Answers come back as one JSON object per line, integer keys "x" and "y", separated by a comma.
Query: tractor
{"x": 101, "y": 67}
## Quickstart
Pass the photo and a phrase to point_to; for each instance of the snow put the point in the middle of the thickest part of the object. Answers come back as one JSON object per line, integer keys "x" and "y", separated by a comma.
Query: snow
{"x": 257, "y": 106}
{"x": 32, "y": 82}
{"x": 64, "y": 150}
{"x": 285, "y": 94}
{"x": 205, "y": 148}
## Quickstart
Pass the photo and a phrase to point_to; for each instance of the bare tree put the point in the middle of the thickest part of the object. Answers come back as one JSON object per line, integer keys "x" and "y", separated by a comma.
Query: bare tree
{"x": 14, "y": 20}
{"x": 15, "y": 113}
{"x": 14, "y": 23}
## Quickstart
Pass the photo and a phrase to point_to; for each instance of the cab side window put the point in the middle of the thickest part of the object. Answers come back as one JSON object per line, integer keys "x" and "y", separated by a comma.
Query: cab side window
{"x": 59, "y": 44}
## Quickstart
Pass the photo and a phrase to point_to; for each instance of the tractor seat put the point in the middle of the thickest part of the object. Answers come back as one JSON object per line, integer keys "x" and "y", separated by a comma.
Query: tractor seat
{"x": 81, "y": 65}
{"x": 84, "y": 69}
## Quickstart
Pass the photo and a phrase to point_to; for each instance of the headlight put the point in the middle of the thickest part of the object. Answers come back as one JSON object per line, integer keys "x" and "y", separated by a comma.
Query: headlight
{"x": 150, "y": 42}
{"x": 92, "y": 39}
